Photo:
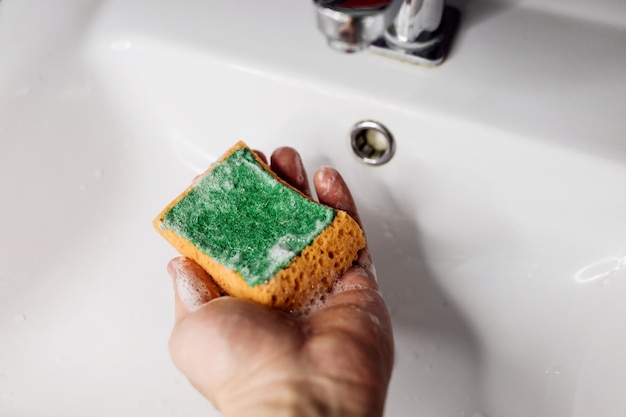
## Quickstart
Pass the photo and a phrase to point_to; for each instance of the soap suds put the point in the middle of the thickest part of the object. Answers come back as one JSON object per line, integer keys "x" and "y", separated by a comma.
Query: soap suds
{"x": 191, "y": 291}
{"x": 319, "y": 298}
{"x": 279, "y": 255}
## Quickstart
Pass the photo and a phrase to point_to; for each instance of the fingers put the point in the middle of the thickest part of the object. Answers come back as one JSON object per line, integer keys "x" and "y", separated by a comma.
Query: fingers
{"x": 331, "y": 188}
{"x": 287, "y": 164}
{"x": 193, "y": 287}
{"x": 261, "y": 155}
{"x": 333, "y": 191}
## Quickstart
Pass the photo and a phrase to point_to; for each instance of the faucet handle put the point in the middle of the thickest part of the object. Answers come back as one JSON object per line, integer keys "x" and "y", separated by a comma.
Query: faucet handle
{"x": 352, "y": 25}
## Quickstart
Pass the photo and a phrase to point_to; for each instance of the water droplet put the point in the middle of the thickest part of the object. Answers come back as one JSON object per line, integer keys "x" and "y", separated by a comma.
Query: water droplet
{"x": 3, "y": 376}
{"x": 19, "y": 318}
{"x": 98, "y": 173}
{"x": 429, "y": 366}
{"x": 415, "y": 357}
{"x": 553, "y": 370}
{"x": 121, "y": 45}
{"x": 60, "y": 359}
{"x": 82, "y": 187}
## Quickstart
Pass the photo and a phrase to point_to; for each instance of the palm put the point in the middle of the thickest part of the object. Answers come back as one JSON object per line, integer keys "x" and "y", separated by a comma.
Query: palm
{"x": 343, "y": 348}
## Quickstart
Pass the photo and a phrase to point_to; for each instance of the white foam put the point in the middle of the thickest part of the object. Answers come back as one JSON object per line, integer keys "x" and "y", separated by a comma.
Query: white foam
{"x": 280, "y": 255}
{"x": 316, "y": 302}
{"x": 191, "y": 291}
{"x": 341, "y": 286}
{"x": 373, "y": 269}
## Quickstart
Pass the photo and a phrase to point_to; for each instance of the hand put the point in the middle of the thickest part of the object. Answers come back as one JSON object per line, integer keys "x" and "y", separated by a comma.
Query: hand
{"x": 250, "y": 360}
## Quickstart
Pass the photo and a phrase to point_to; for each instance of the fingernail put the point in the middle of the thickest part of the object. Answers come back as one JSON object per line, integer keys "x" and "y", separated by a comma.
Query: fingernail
{"x": 192, "y": 292}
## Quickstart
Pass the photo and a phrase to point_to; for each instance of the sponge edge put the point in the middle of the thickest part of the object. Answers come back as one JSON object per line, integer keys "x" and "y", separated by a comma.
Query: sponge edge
{"x": 309, "y": 275}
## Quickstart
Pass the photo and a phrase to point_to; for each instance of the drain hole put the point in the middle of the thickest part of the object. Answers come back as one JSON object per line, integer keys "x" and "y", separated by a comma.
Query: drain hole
{"x": 372, "y": 142}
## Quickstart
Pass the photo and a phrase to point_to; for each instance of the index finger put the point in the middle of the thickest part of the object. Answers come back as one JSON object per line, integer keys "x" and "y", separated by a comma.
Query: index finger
{"x": 333, "y": 191}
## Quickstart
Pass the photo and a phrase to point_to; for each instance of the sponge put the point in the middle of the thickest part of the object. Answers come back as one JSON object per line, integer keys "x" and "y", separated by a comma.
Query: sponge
{"x": 258, "y": 237}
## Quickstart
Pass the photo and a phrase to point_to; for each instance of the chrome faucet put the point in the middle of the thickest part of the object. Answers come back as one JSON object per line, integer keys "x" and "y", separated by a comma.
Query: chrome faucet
{"x": 418, "y": 31}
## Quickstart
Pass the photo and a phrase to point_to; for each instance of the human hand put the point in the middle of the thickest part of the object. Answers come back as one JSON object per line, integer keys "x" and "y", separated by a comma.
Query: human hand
{"x": 250, "y": 360}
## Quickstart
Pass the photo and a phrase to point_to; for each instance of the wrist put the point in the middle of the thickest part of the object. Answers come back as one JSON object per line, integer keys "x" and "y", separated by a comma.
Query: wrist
{"x": 306, "y": 399}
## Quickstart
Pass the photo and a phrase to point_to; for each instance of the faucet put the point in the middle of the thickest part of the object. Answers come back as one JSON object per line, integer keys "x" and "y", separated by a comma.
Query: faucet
{"x": 418, "y": 31}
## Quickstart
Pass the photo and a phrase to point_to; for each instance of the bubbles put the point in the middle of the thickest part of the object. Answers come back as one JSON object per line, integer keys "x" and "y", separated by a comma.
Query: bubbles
{"x": 555, "y": 370}
{"x": 192, "y": 292}
{"x": 316, "y": 302}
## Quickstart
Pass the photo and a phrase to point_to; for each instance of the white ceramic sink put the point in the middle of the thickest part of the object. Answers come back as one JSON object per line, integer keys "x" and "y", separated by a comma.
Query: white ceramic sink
{"x": 498, "y": 229}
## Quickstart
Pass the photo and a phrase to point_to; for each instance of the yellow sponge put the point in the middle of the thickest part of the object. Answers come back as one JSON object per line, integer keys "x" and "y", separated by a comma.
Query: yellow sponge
{"x": 258, "y": 237}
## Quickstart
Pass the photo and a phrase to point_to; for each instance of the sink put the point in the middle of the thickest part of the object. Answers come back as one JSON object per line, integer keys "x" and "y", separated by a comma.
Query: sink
{"x": 498, "y": 228}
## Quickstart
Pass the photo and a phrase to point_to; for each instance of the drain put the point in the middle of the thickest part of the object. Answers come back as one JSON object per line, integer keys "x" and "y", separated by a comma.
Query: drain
{"x": 372, "y": 142}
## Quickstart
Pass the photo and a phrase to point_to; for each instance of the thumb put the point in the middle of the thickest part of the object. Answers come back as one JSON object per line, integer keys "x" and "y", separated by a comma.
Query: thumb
{"x": 193, "y": 287}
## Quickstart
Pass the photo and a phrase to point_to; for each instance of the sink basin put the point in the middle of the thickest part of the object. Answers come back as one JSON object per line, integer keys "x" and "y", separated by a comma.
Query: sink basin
{"x": 498, "y": 228}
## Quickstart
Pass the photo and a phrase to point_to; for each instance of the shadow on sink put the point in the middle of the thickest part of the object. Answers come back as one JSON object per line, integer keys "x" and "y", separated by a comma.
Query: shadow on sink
{"x": 438, "y": 355}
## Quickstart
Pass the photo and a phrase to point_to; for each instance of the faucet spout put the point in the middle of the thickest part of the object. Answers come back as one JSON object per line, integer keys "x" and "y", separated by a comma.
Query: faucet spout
{"x": 352, "y": 25}
{"x": 418, "y": 31}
